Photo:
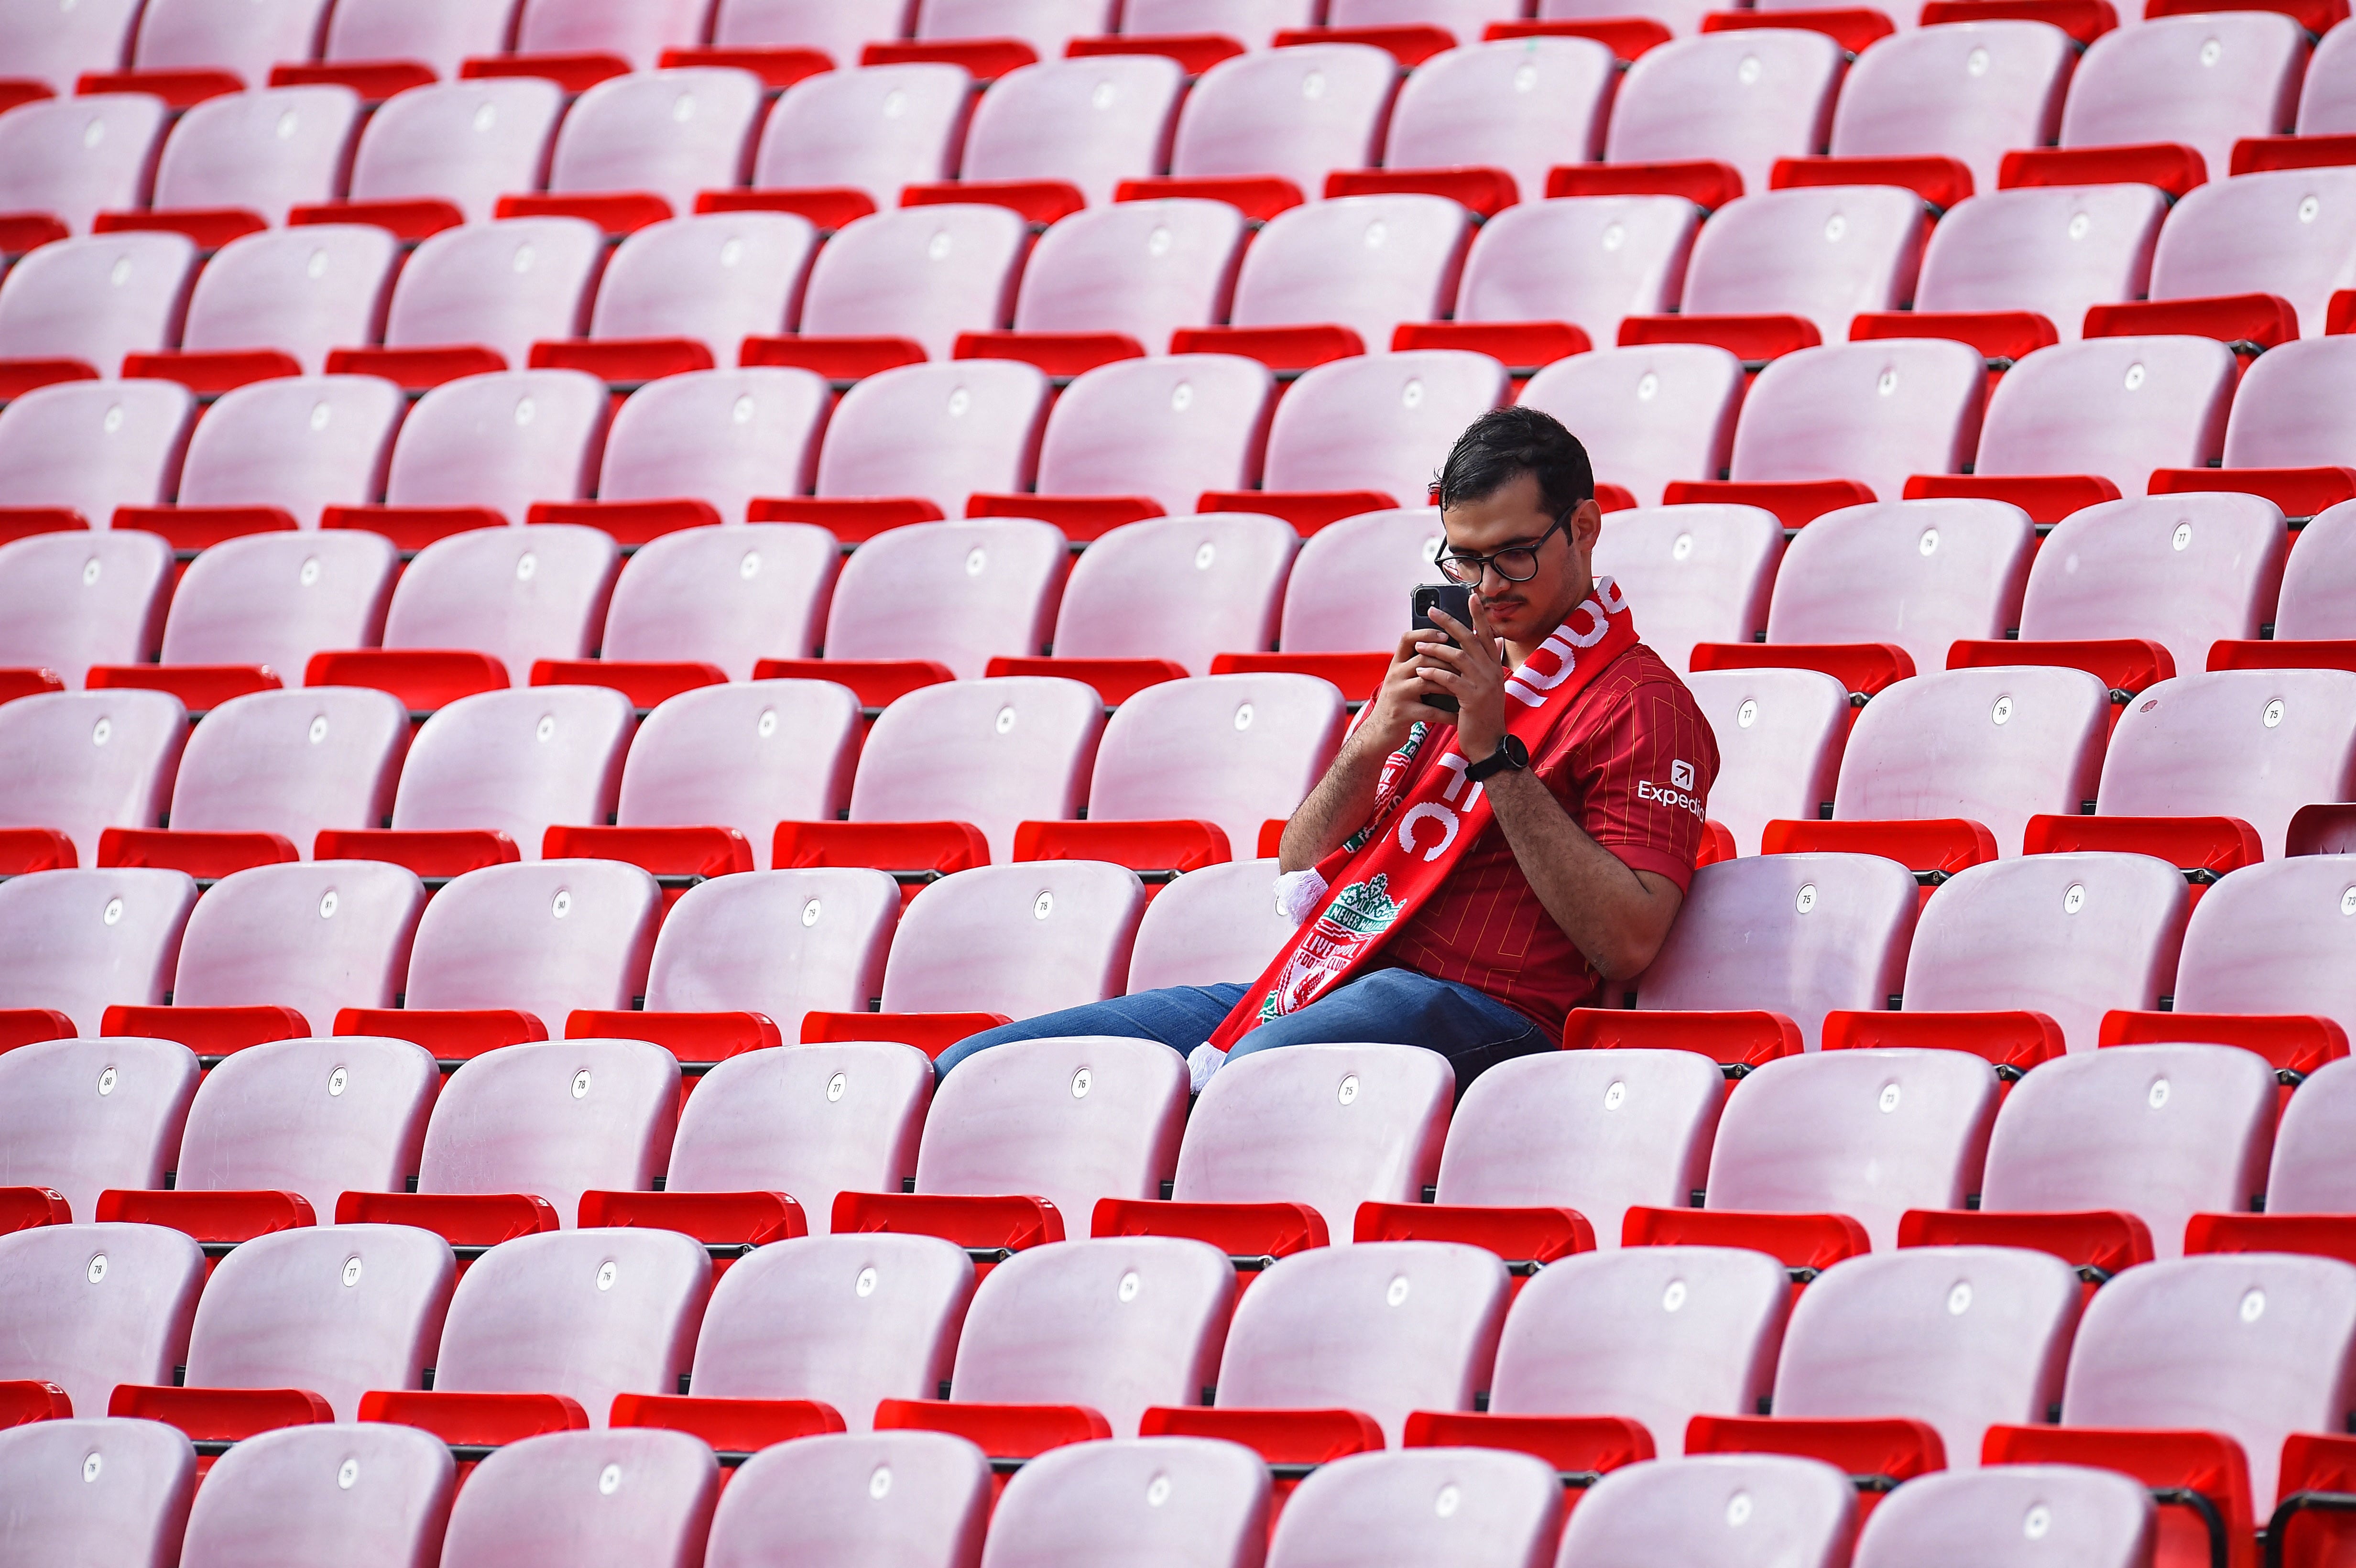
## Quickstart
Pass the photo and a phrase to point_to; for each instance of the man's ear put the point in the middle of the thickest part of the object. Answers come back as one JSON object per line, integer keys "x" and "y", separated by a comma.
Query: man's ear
{"x": 1587, "y": 524}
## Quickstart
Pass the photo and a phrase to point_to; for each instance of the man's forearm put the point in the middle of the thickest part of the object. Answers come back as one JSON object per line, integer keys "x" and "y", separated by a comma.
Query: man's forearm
{"x": 1616, "y": 916}
{"x": 1339, "y": 805}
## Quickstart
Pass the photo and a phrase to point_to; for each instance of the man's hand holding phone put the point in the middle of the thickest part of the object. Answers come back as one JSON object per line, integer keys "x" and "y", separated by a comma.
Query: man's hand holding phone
{"x": 1467, "y": 669}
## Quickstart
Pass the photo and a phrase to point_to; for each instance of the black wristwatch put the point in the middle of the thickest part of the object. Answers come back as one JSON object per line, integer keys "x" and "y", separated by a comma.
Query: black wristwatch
{"x": 1510, "y": 755}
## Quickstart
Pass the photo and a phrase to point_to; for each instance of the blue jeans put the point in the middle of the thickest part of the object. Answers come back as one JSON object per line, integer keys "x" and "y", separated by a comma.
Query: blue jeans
{"x": 1396, "y": 1007}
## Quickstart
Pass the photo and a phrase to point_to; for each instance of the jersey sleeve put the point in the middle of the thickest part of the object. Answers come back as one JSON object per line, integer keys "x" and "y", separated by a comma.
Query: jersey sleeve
{"x": 1639, "y": 782}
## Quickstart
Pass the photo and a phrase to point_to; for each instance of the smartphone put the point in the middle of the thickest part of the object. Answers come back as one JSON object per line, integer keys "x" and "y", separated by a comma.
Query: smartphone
{"x": 1454, "y": 600}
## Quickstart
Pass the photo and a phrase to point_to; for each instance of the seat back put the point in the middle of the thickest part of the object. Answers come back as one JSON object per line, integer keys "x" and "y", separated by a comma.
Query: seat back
{"x": 1663, "y": 412}
{"x": 1972, "y": 96}
{"x": 1632, "y": 252}
{"x": 46, "y": 46}
{"x": 634, "y": 1496}
{"x": 1820, "y": 253}
{"x": 1868, "y": 1134}
{"x": 2067, "y": 936}
{"x": 91, "y": 1307}
{"x": 516, "y": 762}
{"x": 1295, "y": 114}
{"x": 836, "y": 28}
{"x": 724, "y": 437}
{"x": 1703, "y": 573}
{"x": 1380, "y": 1327}
{"x": 1328, "y": 1125}
{"x": 1352, "y": 580}
{"x": 1518, "y": 106}
{"x": 1716, "y": 1510}
{"x": 302, "y": 443}
{"x": 318, "y": 1117}
{"x": 316, "y": 937}
{"x": 337, "y": 1309}
{"x": 467, "y": 142}
{"x": 92, "y": 446}
{"x": 939, "y": 431}
{"x": 745, "y": 756}
{"x": 83, "y": 762}
{"x": 989, "y": 587}
{"x": 913, "y": 1496}
{"x": 990, "y": 752}
{"x": 501, "y": 440}
{"x": 1378, "y": 422}
{"x": 849, "y": 1319}
{"x": 1117, "y": 1324}
{"x": 545, "y": 937}
{"x": 1217, "y": 924}
{"x": 2306, "y": 1174}
{"x": 75, "y": 159}
{"x": 1091, "y": 125}
{"x": 95, "y": 1491}
{"x": 1659, "y": 1335}
{"x": 1104, "y": 1501}
{"x": 730, "y": 596}
{"x": 1483, "y": 1508}
{"x": 2324, "y": 97}
{"x": 688, "y": 278}
{"x": 263, "y": 763}
{"x": 925, "y": 273}
{"x": 505, "y": 285}
{"x": 1875, "y": 413}
{"x": 1780, "y": 734}
{"x": 779, "y": 943}
{"x": 1594, "y": 1131}
{"x": 1234, "y": 750}
{"x": 2256, "y": 744}
{"x": 1020, "y": 940}
{"x": 82, "y": 1115}
{"x": 1992, "y": 746}
{"x": 874, "y": 129}
{"x": 281, "y": 1491}
{"x": 2314, "y": 601}
{"x": 810, "y": 1121}
{"x": 2164, "y": 1132}
{"x": 98, "y": 298}
{"x": 2114, "y": 407}
{"x": 441, "y": 34}
{"x": 1186, "y": 589}
{"x": 79, "y": 940}
{"x": 667, "y": 133}
{"x": 2202, "y": 83}
{"x": 1167, "y": 429}
{"x": 2267, "y": 939}
{"x": 179, "y": 34}
{"x": 1141, "y": 268}
{"x": 1919, "y": 574}
{"x": 2052, "y": 249}
{"x": 2280, "y": 232}
{"x": 2182, "y": 570}
{"x": 1800, "y": 934}
{"x": 2003, "y": 1516}
{"x": 2288, "y": 417}
{"x": 1367, "y": 262}
{"x": 300, "y": 292}
{"x": 263, "y": 151}
{"x": 1744, "y": 102}
{"x": 1043, "y": 25}
{"x": 69, "y": 600}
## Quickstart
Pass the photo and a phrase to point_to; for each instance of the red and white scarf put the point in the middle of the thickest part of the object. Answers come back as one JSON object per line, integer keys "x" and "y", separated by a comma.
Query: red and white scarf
{"x": 1426, "y": 815}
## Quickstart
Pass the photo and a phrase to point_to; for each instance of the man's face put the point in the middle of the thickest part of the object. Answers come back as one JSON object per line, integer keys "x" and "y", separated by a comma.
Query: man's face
{"x": 1524, "y": 613}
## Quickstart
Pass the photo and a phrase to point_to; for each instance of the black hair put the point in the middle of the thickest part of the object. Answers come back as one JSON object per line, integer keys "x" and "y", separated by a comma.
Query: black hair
{"x": 1505, "y": 443}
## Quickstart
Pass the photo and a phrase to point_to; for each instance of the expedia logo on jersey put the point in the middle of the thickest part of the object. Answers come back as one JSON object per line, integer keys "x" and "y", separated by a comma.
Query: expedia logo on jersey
{"x": 1676, "y": 792}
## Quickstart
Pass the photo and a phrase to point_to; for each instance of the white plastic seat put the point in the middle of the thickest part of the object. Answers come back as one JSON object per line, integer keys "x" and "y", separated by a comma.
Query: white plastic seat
{"x": 1647, "y": 415}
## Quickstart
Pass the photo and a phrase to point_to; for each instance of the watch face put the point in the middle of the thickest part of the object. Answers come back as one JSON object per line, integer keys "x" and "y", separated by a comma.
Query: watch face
{"x": 1515, "y": 752}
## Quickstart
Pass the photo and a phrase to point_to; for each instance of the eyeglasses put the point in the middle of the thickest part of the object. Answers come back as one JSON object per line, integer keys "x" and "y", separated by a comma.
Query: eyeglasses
{"x": 1518, "y": 564}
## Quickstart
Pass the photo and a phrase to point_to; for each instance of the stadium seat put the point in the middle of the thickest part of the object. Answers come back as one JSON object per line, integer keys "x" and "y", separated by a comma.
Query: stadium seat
{"x": 1641, "y": 441}
{"x": 275, "y": 303}
{"x": 1215, "y": 924}
{"x": 2155, "y": 1345}
{"x": 1897, "y": 1364}
{"x": 68, "y": 160}
{"x": 2285, "y": 440}
{"x": 475, "y": 299}
{"x": 1847, "y": 422}
{"x": 1462, "y": 19}
{"x": 835, "y": 29}
{"x": 295, "y": 1327}
{"x": 1780, "y": 734}
{"x": 1633, "y": 251}
{"x": 96, "y": 1490}
{"x": 239, "y": 163}
{"x": 1470, "y": 1505}
{"x": 235, "y": 626}
{"x": 1050, "y": 138}
{"x": 1283, "y": 1155}
{"x": 1338, "y": 278}
{"x": 578, "y": 43}
{"x": 550, "y": 1496}
{"x": 778, "y": 943}
{"x": 433, "y": 157}
{"x": 920, "y": 1497}
{"x": 71, "y": 455}
{"x": 1963, "y": 93}
{"x": 187, "y": 52}
{"x": 897, "y": 288}
{"x": 1251, "y": 23}
{"x": 1721, "y": 110}
{"x": 696, "y": 449}
{"x": 681, "y": 295}
{"x": 2279, "y": 232}
{"x": 281, "y": 1491}
{"x": 477, "y": 609}
{"x": 2307, "y": 1193}
{"x": 70, "y": 1131}
{"x": 2309, "y": 616}
{"x": 76, "y": 599}
{"x": 47, "y": 49}
{"x": 1800, "y": 934}
{"x": 1114, "y": 282}
{"x": 841, "y": 1323}
{"x": 1787, "y": 269}
{"x": 1878, "y": 592}
{"x": 1366, "y": 433}
{"x": 1232, "y": 751}
{"x": 1345, "y": 598}
{"x": 1144, "y": 438}
{"x": 635, "y": 149}
{"x": 2051, "y": 252}
{"x": 514, "y": 1138}
{"x": 1263, "y": 130}
{"x": 2068, "y": 935}
{"x": 94, "y": 1305}
{"x": 79, "y": 762}
{"x": 2270, "y": 742}
{"x": 1718, "y": 1511}
{"x": 378, "y": 47}
{"x": 1334, "y": 1347}
{"x": 1043, "y": 26}
{"x": 911, "y": 444}
{"x": 71, "y": 310}
{"x": 70, "y": 954}
{"x": 2002, "y": 1517}
{"x": 845, "y": 143}
{"x": 1516, "y": 108}
{"x": 1109, "y": 1502}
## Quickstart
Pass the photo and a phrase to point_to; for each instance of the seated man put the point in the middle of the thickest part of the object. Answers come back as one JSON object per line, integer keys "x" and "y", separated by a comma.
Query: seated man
{"x": 1463, "y": 879}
